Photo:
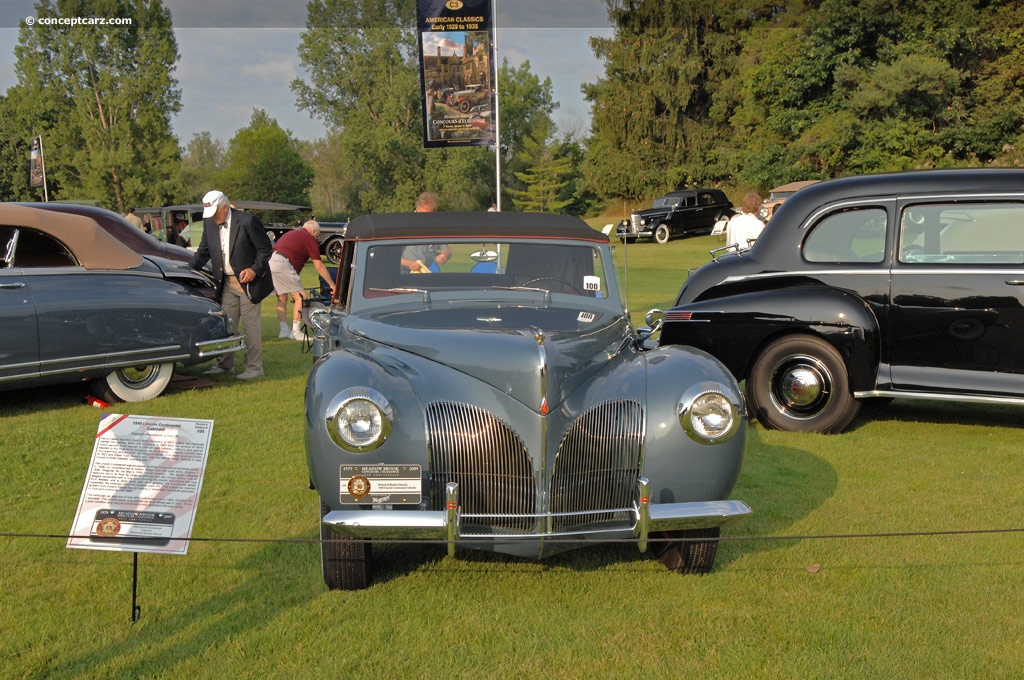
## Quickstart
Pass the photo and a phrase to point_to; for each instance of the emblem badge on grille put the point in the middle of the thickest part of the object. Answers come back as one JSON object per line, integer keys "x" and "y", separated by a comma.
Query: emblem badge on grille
{"x": 359, "y": 486}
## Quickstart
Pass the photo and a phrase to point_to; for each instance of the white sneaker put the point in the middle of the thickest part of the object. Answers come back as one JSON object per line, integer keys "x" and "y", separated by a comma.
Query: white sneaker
{"x": 300, "y": 336}
{"x": 250, "y": 375}
{"x": 216, "y": 370}
{"x": 285, "y": 333}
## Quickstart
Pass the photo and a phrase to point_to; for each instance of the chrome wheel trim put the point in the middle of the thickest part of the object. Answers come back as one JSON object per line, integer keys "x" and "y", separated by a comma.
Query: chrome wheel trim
{"x": 801, "y": 386}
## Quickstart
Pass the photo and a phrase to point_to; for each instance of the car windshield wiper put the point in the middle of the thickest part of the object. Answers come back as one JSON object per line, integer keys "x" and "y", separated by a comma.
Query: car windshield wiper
{"x": 547, "y": 293}
{"x": 403, "y": 291}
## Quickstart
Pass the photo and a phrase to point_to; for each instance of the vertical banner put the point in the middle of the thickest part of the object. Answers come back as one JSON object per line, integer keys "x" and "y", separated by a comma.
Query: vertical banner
{"x": 457, "y": 72}
{"x": 35, "y": 163}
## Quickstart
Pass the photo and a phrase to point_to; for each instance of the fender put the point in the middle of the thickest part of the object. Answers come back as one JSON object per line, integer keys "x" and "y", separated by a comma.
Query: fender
{"x": 696, "y": 472}
{"x": 737, "y": 328}
{"x": 342, "y": 369}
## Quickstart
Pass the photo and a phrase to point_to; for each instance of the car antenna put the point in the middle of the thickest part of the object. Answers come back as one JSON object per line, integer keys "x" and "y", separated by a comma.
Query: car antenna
{"x": 625, "y": 264}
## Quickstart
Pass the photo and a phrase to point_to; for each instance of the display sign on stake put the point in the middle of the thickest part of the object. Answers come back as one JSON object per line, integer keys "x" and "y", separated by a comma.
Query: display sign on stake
{"x": 142, "y": 487}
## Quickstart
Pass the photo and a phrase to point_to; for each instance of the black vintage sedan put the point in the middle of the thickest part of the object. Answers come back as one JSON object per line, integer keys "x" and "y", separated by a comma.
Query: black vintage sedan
{"x": 78, "y": 305}
{"x": 685, "y": 212}
{"x": 891, "y": 285}
{"x": 504, "y": 401}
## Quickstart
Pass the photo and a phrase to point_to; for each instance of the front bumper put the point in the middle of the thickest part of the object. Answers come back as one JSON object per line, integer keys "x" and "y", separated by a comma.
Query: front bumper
{"x": 214, "y": 348}
{"x": 446, "y": 525}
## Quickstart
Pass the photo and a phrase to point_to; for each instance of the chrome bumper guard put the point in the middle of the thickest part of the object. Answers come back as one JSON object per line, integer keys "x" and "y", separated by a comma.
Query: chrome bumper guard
{"x": 445, "y": 524}
{"x": 214, "y": 348}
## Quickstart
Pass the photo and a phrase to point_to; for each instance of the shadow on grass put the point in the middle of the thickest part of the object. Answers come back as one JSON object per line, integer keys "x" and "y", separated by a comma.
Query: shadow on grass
{"x": 192, "y": 631}
{"x": 34, "y": 399}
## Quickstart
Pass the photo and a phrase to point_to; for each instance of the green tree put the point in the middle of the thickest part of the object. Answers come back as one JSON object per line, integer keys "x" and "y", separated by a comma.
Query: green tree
{"x": 201, "y": 160}
{"x": 651, "y": 108}
{"x": 263, "y": 162}
{"x": 546, "y": 182}
{"x": 363, "y": 64}
{"x": 16, "y": 125}
{"x": 525, "y": 109}
{"x": 102, "y": 97}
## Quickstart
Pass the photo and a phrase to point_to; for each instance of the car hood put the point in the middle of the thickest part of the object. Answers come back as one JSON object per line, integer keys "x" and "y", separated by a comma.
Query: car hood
{"x": 536, "y": 356}
{"x": 183, "y": 273}
{"x": 653, "y": 212}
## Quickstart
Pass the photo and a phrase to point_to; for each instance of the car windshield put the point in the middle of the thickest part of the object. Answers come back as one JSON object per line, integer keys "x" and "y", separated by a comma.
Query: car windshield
{"x": 666, "y": 202}
{"x": 433, "y": 268}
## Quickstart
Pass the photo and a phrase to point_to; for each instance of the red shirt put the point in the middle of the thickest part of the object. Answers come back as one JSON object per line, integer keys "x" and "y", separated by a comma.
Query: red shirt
{"x": 299, "y": 246}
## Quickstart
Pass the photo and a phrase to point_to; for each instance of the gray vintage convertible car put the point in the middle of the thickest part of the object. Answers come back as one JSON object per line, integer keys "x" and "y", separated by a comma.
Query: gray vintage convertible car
{"x": 504, "y": 402}
{"x": 78, "y": 305}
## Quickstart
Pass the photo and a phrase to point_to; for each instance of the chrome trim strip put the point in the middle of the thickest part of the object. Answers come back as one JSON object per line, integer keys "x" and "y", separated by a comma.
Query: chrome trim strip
{"x": 934, "y": 396}
{"x": 914, "y": 269}
{"x": 123, "y": 358}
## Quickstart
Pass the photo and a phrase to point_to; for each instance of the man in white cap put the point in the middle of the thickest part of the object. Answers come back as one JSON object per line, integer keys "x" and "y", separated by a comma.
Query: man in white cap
{"x": 238, "y": 250}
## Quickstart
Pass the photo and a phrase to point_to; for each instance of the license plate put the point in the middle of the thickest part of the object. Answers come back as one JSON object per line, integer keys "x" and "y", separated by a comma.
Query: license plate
{"x": 381, "y": 484}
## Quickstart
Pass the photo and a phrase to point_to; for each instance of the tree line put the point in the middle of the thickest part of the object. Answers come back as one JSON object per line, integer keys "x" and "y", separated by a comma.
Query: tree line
{"x": 739, "y": 95}
{"x": 755, "y": 93}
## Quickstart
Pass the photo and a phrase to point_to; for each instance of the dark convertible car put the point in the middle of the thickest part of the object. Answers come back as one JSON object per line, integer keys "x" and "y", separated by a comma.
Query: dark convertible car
{"x": 506, "y": 403}
{"x": 78, "y": 305}
{"x": 893, "y": 285}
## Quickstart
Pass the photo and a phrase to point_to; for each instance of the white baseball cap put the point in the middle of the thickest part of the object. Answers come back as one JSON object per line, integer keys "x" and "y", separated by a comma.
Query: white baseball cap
{"x": 213, "y": 200}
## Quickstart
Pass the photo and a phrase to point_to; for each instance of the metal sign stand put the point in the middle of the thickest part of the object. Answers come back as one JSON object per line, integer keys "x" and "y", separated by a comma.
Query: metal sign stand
{"x": 136, "y": 609}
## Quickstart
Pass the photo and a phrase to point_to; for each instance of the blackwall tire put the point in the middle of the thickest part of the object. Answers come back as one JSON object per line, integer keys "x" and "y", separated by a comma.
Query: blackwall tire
{"x": 347, "y": 563}
{"x": 685, "y": 555}
{"x": 799, "y": 384}
{"x": 135, "y": 383}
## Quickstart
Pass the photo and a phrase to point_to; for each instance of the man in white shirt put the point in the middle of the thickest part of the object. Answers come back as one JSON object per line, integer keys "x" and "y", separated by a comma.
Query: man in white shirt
{"x": 745, "y": 227}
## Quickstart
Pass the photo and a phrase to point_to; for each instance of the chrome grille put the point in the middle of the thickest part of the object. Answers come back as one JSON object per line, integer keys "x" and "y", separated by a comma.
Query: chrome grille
{"x": 634, "y": 221}
{"x": 597, "y": 465}
{"x": 488, "y": 461}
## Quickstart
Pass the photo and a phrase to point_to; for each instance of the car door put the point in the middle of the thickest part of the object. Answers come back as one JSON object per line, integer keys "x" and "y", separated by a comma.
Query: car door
{"x": 958, "y": 297}
{"x": 703, "y": 217}
{"x": 19, "y": 332}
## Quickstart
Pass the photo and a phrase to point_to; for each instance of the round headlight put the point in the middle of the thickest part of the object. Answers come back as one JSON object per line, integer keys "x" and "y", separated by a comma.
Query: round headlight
{"x": 359, "y": 419}
{"x": 643, "y": 221}
{"x": 710, "y": 413}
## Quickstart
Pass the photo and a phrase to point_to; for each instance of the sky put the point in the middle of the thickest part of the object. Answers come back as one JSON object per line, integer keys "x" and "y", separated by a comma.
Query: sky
{"x": 239, "y": 55}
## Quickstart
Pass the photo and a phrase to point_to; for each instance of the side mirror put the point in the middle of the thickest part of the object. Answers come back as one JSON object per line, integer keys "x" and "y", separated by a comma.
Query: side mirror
{"x": 645, "y": 334}
{"x": 655, "y": 319}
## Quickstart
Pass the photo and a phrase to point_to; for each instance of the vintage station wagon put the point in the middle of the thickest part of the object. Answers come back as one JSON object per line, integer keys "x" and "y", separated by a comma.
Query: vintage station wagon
{"x": 505, "y": 402}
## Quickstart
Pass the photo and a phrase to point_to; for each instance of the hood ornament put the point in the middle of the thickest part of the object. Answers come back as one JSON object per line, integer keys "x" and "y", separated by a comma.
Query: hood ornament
{"x": 542, "y": 366}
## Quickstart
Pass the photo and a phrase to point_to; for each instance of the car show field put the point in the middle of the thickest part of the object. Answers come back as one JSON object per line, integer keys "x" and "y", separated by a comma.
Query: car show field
{"x": 889, "y": 551}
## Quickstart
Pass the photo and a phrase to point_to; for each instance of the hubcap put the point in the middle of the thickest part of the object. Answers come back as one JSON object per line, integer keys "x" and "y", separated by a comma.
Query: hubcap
{"x": 801, "y": 386}
{"x": 138, "y": 376}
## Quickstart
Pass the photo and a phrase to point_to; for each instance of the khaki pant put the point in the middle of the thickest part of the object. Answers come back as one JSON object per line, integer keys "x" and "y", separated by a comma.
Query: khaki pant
{"x": 238, "y": 308}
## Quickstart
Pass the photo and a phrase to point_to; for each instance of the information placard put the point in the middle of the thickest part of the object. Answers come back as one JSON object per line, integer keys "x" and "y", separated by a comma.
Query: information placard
{"x": 143, "y": 484}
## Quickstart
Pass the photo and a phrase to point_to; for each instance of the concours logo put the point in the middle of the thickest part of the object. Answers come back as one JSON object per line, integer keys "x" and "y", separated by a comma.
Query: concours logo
{"x": 359, "y": 486}
{"x": 108, "y": 528}
{"x": 454, "y": 5}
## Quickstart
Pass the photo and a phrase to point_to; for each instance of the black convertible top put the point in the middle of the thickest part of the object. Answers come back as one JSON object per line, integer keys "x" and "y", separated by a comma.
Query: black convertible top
{"x": 488, "y": 225}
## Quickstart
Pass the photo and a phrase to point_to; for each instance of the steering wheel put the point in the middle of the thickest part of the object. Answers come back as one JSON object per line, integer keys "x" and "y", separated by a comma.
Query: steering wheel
{"x": 568, "y": 287}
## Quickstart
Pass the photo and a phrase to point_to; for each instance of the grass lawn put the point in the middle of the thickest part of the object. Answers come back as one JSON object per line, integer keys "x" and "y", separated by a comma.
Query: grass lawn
{"x": 789, "y": 597}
